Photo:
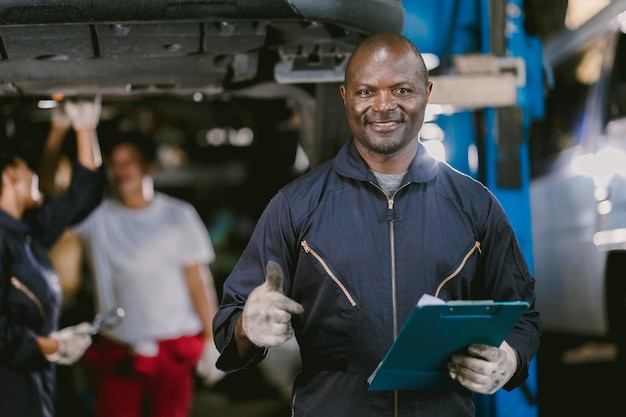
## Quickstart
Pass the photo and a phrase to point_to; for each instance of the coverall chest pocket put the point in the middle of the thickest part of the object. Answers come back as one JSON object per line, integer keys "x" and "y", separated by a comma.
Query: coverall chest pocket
{"x": 456, "y": 282}
{"x": 330, "y": 309}
{"x": 25, "y": 306}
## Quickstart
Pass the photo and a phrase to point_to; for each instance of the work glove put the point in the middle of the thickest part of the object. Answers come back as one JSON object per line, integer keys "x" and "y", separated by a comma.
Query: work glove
{"x": 59, "y": 117}
{"x": 267, "y": 314}
{"x": 482, "y": 368}
{"x": 73, "y": 342}
{"x": 84, "y": 114}
{"x": 206, "y": 368}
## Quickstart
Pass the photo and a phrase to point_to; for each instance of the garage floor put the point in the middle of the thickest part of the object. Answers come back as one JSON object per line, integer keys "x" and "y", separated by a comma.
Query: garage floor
{"x": 577, "y": 389}
{"x": 582, "y": 386}
{"x": 582, "y": 383}
{"x": 246, "y": 395}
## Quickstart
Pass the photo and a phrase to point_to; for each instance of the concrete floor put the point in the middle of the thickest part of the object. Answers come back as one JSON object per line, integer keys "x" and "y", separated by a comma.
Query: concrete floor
{"x": 246, "y": 395}
{"x": 583, "y": 382}
{"x": 582, "y": 385}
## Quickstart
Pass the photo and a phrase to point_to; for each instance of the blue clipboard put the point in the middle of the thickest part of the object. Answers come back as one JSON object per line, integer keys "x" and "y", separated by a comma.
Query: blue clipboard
{"x": 417, "y": 358}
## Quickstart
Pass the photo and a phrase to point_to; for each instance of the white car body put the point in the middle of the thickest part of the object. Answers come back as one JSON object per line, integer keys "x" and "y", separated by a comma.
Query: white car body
{"x": 578, "y": 191}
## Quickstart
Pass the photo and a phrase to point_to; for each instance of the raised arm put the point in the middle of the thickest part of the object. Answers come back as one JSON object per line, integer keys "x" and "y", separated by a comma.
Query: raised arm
{"x": 85, "y": 115}
{"x": 50, "y": 180}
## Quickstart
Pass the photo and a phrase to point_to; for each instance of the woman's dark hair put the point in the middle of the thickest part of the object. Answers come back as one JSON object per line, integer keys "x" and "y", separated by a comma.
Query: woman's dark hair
{"x": 6, "y": 159}
{"x": 143, "y": 143}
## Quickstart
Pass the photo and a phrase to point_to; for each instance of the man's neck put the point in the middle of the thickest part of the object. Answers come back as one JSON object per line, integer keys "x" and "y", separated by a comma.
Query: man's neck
{"x": 396, "y": 163}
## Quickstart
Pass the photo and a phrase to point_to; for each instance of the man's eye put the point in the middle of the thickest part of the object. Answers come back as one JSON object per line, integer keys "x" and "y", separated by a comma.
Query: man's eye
{"x": 403, "y": 91}
{"x": 365, "y": 92}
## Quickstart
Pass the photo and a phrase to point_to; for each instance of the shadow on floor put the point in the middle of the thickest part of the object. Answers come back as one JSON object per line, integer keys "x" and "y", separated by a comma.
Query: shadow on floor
{"x": 242, "y": 394}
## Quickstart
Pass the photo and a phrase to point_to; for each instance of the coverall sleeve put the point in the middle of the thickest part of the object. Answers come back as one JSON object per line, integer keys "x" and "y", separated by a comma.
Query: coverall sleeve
{"x": 57, "y": 213}
{"x": 507, "y": 277}
{"x": 272, "y": 239}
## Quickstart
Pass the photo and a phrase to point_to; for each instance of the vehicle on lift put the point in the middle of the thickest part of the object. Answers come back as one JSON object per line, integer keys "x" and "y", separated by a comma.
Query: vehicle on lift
{"x": 128, "y": 50}
{"x": 578, "y": 190}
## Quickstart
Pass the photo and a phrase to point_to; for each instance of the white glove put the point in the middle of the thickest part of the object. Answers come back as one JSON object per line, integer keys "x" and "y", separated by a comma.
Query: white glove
{"x": 84, "y": 114}
{"x": 482, "y": 368}
{"x": 206, "y": 368}
{"x": 267, "y": 314}
{"x": 59, "y": 117}
{"x": 73, "y": 342}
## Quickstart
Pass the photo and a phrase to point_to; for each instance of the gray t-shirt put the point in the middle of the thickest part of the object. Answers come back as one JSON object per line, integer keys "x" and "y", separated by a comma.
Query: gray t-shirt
{"x": 389, "y": 182}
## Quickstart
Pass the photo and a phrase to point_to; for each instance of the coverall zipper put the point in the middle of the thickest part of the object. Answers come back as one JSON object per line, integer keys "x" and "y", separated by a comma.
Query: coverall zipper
{"x": 394, "y": 303}
{"x": 330, "y": 273}
{"x": 23, "y": 288}
{"x": 390, "y": 219}
{"x": 456, "y": 272}
{"x": 393, "y": 286}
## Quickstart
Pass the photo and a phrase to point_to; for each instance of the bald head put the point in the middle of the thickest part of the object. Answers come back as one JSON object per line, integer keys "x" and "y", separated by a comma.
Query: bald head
{"x": 386, "y": 42}
{"x": 385, "y": 93}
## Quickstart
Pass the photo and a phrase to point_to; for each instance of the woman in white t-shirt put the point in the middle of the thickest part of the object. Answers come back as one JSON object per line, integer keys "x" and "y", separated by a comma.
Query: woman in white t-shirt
{"x": 149, "y": 254}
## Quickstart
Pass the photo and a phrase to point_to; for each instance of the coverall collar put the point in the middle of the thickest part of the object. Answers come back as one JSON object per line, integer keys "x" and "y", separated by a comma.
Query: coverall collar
{"x": 349, "y": 163}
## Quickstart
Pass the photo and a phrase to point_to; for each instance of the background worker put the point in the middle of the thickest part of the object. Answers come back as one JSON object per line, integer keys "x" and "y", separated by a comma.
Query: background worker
{"x": 149, "y": 254}
{"x": 30, "y": 290}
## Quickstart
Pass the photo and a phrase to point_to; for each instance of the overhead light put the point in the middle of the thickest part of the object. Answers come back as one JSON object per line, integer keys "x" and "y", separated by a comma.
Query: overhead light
{"x": 46, "y": 104}
{"x": 221, "y": 136}
{"x": 241, "y": 137}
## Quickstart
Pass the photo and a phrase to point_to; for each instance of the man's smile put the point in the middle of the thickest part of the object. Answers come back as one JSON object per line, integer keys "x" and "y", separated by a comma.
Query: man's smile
{"x": 384, "y": 126}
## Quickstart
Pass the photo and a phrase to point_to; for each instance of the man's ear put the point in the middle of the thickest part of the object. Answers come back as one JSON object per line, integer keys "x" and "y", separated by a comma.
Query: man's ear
{"x": 429, "y": 90}
{"x": 342, "y": 91}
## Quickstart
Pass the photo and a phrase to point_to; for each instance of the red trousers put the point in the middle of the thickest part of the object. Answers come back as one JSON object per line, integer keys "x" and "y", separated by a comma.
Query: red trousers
{"x": 130, "y": 385}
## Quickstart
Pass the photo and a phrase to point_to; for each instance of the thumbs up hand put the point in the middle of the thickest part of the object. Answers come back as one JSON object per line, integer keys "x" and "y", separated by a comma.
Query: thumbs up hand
{"x": 267, "y": 314}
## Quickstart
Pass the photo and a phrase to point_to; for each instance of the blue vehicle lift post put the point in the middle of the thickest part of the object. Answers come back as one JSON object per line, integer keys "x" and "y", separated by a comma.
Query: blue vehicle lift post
{"x": 486, "y": 132}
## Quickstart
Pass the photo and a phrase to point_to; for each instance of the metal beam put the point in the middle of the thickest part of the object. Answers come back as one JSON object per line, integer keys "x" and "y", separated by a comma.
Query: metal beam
{"x": 566, "y": 42}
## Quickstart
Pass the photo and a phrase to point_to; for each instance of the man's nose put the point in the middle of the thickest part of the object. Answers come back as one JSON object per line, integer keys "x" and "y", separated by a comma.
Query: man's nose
{"x": 384, "y": 102}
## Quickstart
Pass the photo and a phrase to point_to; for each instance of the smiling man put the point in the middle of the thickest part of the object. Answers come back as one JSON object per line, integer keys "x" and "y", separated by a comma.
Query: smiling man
{"x": 386, "y": 109}
{"x": 340, "y": 257}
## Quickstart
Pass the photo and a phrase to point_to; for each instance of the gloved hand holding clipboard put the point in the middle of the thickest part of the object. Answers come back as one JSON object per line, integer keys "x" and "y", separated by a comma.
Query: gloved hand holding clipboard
{"x": 433, "y": 333}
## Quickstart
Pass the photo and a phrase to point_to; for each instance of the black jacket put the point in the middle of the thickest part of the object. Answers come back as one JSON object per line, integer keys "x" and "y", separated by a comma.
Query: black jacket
{"x": 30, "y": 294}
